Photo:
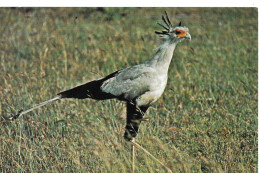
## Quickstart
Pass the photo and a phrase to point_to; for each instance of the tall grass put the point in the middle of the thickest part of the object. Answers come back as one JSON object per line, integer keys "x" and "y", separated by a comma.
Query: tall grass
{"x": 206, "y": 120}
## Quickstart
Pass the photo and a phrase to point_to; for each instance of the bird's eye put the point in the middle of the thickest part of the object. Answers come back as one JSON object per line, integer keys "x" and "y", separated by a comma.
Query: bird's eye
{"x": 177, "y": 32}
{"x": 180, "y": 33}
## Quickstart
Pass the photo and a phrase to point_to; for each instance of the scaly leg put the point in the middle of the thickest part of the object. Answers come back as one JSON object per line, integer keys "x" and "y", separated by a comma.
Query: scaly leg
{"x": 149, "y": 154}
{"x": 133, "y": 156}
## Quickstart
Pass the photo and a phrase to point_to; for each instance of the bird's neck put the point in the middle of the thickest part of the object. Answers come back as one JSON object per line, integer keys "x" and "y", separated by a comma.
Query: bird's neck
{"x": 162, "y": 58}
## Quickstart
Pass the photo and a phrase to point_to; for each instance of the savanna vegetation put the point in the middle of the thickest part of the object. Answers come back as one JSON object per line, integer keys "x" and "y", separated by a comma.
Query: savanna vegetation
{"x": 206, "y": 120}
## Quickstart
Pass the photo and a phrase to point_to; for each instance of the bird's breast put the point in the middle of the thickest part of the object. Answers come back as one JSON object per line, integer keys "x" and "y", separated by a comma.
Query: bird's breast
{"x": 157, "y": 87}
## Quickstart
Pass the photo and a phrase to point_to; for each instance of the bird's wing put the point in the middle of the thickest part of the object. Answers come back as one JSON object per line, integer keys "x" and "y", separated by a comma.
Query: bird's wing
{"x": 126, "y": 84}
{"x": 130, "y": 83}
{"x": 134, "y": 118}
{"x": 90, "y": 90}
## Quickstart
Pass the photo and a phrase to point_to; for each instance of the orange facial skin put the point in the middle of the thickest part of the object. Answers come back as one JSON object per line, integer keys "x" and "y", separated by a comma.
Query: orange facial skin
{"x": 180, "y": 33}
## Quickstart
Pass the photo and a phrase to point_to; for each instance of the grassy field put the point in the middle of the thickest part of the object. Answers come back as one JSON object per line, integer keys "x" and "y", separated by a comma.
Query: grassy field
{"x": 206, "y": 120}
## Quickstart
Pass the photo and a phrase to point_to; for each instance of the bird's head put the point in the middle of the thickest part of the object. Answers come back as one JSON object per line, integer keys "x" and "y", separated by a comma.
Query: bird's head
{"x": 176, "y": 34}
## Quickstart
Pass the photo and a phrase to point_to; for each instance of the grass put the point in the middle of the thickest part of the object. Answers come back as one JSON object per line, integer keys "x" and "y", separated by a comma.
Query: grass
{"x": 206, "y": 120}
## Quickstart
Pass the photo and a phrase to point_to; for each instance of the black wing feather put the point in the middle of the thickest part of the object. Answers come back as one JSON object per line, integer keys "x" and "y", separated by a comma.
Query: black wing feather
{"x": 89, "y": 90}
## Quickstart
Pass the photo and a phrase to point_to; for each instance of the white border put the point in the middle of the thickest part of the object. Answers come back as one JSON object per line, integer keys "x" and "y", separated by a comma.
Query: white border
{"x": 130, "y": 3}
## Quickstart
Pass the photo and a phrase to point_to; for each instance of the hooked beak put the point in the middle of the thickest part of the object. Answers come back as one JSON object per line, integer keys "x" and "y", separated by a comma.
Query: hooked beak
{"x": 188, "y": 36}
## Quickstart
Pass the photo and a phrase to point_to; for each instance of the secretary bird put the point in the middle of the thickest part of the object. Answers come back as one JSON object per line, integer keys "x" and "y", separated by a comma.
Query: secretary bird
{"x": 139, "y": 86}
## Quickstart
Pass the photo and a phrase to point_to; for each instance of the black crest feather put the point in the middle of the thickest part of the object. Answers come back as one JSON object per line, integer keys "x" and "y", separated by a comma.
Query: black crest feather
{"x": 167, "y": 23}
{"x": 163, "y": 26}
{"x": 168, "y": 20}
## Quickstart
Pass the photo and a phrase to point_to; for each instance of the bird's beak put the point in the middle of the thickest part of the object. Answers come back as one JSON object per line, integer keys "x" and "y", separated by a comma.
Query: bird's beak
{"x": 188, "y": 36}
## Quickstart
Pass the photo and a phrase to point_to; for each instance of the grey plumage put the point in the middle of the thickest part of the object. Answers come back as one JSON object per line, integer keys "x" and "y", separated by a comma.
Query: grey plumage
{"x": 130, "y": 83}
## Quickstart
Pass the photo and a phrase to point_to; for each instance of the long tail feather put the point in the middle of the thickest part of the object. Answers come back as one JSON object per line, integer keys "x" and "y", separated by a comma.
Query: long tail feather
{"x": 20, "y": 113}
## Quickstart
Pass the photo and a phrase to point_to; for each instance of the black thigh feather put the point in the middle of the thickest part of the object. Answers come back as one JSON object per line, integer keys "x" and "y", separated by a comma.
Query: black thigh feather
{"x": 133, "y": 120}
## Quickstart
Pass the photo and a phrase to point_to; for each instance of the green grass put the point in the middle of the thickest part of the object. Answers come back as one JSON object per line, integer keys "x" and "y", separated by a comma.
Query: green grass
{"x": 206, "y": 120}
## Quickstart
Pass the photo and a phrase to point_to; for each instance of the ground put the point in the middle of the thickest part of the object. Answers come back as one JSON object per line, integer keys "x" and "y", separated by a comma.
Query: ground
{"x": 206, "y": 120}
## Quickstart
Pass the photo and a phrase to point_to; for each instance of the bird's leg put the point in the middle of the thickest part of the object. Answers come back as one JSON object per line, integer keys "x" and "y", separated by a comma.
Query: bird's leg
{"x": 21, "y": 112}
{"x": 133, "y": 156}
{"x": 142, "y": 112}
{"x": 149, "y": 154}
